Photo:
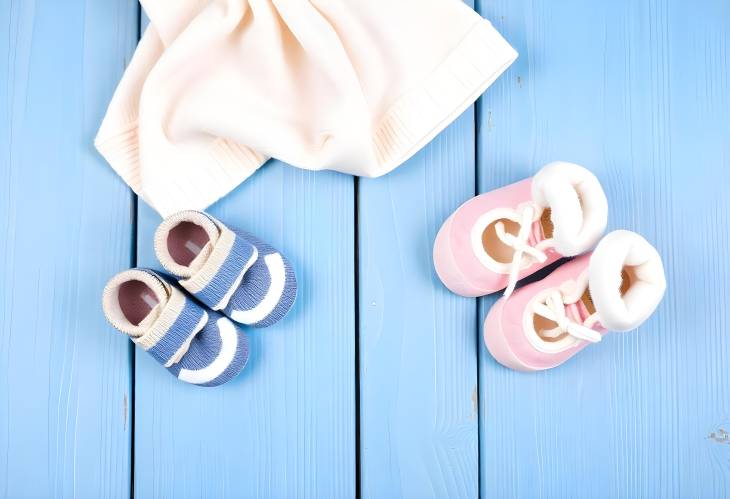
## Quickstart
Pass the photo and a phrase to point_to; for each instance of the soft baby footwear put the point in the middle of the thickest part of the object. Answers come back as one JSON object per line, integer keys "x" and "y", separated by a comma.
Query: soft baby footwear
{"x": 197, "y": 346}
{"x": 543, "y": 324}
{"x": 227, "y": 270}
{"x": 501, "y": 236}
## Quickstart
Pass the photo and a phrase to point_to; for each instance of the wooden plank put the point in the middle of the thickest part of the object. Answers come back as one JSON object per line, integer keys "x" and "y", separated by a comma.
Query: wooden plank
{"x": 286, "y": 426}
{"x": 65, "y": 227}
{"x": 638, "y": 92}
{"x": 418, "y": 370}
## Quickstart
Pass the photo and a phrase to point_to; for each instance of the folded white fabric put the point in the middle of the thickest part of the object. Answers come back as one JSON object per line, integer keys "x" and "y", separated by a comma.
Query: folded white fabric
{"x": 216, "y": 87}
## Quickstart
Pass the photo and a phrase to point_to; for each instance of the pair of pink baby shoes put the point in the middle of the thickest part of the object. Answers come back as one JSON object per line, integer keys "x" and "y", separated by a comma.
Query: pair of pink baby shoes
{"x": 497, "y": 238}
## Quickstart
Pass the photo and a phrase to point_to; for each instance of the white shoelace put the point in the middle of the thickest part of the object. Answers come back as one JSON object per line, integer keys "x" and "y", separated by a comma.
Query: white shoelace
{"x": 519, "y": 244}
{"x": 554, "y": 309}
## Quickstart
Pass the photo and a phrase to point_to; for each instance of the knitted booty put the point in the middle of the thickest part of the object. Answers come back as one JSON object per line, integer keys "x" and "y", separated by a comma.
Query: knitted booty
{"x": 228, "y": 270}
{"x": 197, "y": 346}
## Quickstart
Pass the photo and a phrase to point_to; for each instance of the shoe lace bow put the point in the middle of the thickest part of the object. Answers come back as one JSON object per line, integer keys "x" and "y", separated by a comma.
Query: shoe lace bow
{"x": 520, "y": 245}
{"x": 554, "y": 309}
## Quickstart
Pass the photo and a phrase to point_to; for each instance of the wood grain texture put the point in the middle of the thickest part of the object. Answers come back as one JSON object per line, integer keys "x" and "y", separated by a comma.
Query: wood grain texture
{"x": 637, "y": 92}
{"x": 418, "y": 371}
{"x": 65, "y": 227}
{"x": 286, "y": 426}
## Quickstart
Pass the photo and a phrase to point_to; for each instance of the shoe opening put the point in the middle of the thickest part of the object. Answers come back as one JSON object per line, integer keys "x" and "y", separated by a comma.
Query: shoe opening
{"x": 626, "y": 280}
{"x": 136, "y": 301}
{"x": 133, "y": 299}
{"x": 185, "y": 241}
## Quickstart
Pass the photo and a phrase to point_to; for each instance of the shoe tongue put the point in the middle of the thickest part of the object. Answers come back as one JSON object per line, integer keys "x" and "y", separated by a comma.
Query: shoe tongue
{"x": 200, "y": 259}
{"x": 577, "y": 312}
{"x": 537, "y": 234}
{"x": 152, "y": 316}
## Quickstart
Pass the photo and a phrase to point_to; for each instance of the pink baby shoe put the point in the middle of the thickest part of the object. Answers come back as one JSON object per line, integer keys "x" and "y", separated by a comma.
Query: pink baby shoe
{"x": 501, "y": 236}
{"x": 543, "y": 324}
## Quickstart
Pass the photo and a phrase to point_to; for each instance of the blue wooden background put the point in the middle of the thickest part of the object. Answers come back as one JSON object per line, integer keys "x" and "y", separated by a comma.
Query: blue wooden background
{"x": 377, "y": 385}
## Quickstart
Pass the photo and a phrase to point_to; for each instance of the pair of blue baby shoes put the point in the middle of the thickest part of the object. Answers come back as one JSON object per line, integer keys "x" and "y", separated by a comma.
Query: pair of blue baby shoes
{"x": 233, "y": 277}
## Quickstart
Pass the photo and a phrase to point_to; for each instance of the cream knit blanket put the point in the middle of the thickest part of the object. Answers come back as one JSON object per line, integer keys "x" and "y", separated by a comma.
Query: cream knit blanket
{"x": 216, "y": 87}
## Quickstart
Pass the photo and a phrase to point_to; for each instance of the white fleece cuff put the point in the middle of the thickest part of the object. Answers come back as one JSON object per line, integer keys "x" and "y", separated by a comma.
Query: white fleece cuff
{"x": 579, "y": 209}
{"x": 618, "y": 250}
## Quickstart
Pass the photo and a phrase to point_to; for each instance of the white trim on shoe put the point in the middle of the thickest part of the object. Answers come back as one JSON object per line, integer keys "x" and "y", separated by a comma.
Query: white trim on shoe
{"x": 227, "y": 297}
{"x": 277, "y": 271}
{"x": 183, "y": 349}
{"x": 229, "y": 343}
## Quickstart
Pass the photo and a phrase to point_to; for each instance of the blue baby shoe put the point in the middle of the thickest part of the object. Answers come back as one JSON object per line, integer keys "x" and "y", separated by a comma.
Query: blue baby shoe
{"x": 197, "y": 346}
{"x": 227, "y": 270}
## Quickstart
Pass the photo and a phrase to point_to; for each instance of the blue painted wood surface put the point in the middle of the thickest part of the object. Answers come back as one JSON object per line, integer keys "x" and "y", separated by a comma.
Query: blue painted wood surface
{"x": 65, "y": 226}
{"x": 638, "y": 92}
{"x": 286, "y": 426}
{"x": 418, "y": 348}
{"x": 635, "y": 90}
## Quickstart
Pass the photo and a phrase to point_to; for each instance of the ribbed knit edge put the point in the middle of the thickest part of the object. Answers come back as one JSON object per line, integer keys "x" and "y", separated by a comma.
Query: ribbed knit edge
{"x": 110, "y": 300}
{"x": 169, "y": 314}
{"x": 211, "y": 267}
{"x": 230, "y": 165}
{"x": 122, "y": 152}
{"x": 418, "y": 116}
{"x": 410, "y": 123}
{"x": 208, "y": 223}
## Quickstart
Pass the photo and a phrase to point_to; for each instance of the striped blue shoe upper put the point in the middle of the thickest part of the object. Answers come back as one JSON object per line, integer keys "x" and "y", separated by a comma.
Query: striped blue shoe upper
{"x": 198, "y": 346}
{"x": 239, "y": 257}
{"x": 233, "y": 271}
{"x": 268, "y": 289}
